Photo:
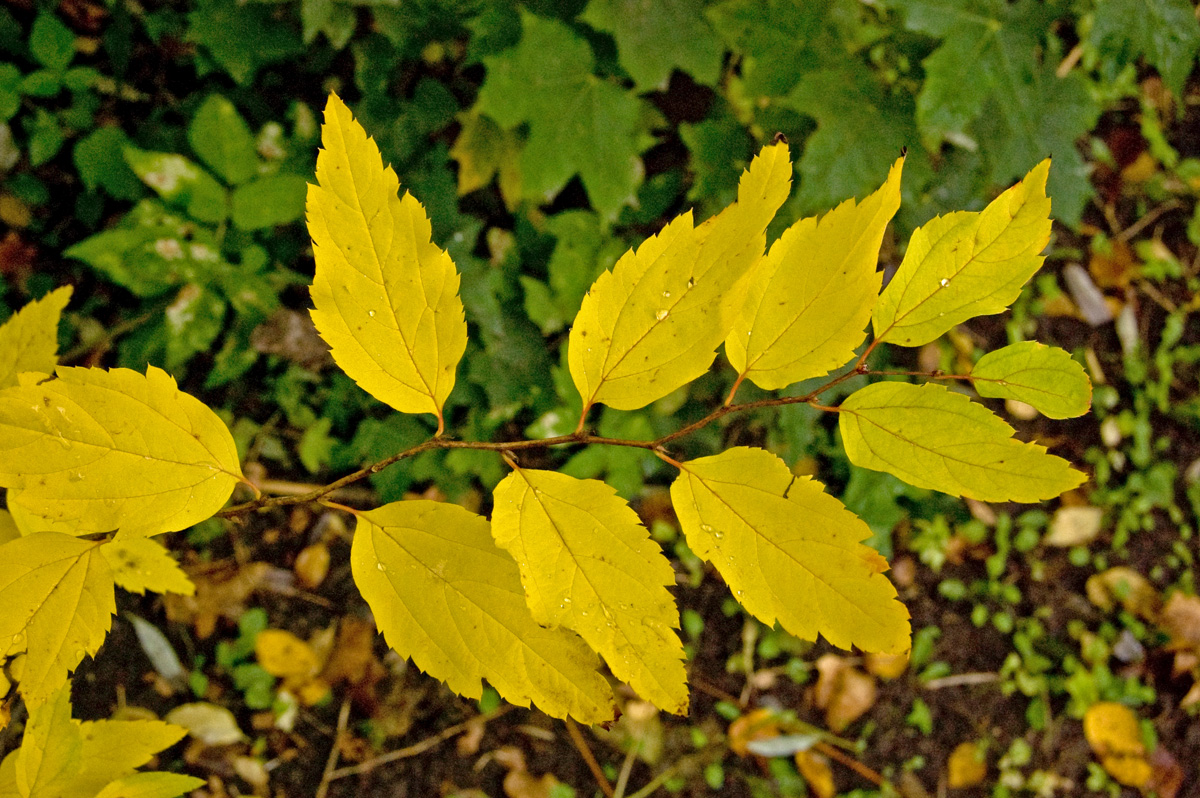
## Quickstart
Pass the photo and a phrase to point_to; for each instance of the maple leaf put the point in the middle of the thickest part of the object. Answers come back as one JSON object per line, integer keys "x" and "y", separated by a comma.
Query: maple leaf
{"x": 578, "y": 123}
{"x": 649, "y": 56}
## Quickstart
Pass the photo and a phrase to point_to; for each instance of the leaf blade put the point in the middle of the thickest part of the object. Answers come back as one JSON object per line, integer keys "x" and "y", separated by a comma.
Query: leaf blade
{"x": 57, "y": 601}
{"x": 70, "y": 447}
{"x": 738, "y": 510}
{"x": 445, "y": 595}
{"x": 588, "y": 564}
{"x": 389, "y": 310}
{"x": 810, "y": 300}
{"x": 1045, "y": 377}
{"x": 652, "y": 323}
{"x": 29, "y": 340}
{"x": 966, "y": 264}
{"x": 934, "y": 438}
{"x": 141, "y": 564}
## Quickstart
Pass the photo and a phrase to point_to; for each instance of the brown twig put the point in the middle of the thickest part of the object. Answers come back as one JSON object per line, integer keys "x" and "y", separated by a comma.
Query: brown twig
{"x": 417, "y": 748}
{"x": 334, "y": 749}
{"x": 586, "y": 753}
{"x": 850, "y": 762}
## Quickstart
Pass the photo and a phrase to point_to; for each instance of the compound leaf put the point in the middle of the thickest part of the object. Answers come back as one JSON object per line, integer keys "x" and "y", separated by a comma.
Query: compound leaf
{"x": 1042, "y": 376}
{"x": 29, "y": 340}
{"x": 386, "y": 297}
{"x": 651, "y": 325}
{"x": 56, "y": 604}
{"x": 966, "y": 264}
{"x": 790, "y": 552}
{"x": 446, "y": 596}
{"x": 934, "y": 438}
{"x": 810, "y": 299}
{"x": 588, "y": 564}
{"x": 141, "y": 564}
{"x": 72, "y": 448}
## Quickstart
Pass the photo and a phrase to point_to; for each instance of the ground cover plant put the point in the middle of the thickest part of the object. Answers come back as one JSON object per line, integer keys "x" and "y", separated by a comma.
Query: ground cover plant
{"x": 1052, "y": 649}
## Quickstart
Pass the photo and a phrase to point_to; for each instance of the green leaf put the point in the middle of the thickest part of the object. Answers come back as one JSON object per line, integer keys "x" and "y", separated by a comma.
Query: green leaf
{"x": 588, "y": 564}
{"x": 100, "y": 161}
{"x": 578, "y": 123}
{"x": 46, "y": 137}
{"x": 222, "y": 139}
{"x": 860, "y": 133}
{"x": 445, "y": 595}
{"x": 155, "y": 784}
{"x": 966, "y": 264}
{"x": 192, "y": 322}
{"x": 242, "y": 37}
{"x": 1045, "y": 377}
{"x": 484, "y": 150}
{"x": 10, "y": 91}
{"x": 1166, "y": 32}
{"x": 51, "y": 42}
{"x": 719, "y": 149}
{"x": 42, "y": 83}
{"x": 653, "y": 38}
{"x": 269, "y": 201}
{"x": 790, "y": 552}
{"x": 933, "y": 438}
{"x": 180, "y": 182}
{"x": 651, "y": 325}
{"x": 581, "y": 253}
{"x": 809, "y": 301}
{"x": 56, "y": 605}
{"x": 29, "y": 339}
{"x": 779, "y": 40}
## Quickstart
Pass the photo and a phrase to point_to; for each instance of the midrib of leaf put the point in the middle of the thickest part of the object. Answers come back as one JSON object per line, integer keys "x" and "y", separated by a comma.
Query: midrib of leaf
{"x": 379, "y": 259}
{"x": 759, "y": 537}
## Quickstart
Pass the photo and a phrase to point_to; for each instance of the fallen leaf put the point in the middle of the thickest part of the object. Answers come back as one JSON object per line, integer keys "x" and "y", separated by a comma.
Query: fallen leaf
{"x": 312, "y": 565}
{"x": 1126, "y": 587}
{"x": 1074, "y": 526}
{"x": 1112, "y": 731}
{"x": 842, "y": 691}
{"x": 222, "y": 593}
{"x": 1113, "y": 269}
{"x": 1180, "y": 619}
{"x": 291, "y": 334}
{"x": 817, "y": 773}
{"x": 758, "y": 724}
{"x": 208, "y": 723}
{"x": 966, "y": 766}
{"x": 282, "y": 654}
{"x": 1166, "y": 774}
{"x": 519, "y": 783}
{"x": 886, "y": 666}
{"x": 353, "y": 657}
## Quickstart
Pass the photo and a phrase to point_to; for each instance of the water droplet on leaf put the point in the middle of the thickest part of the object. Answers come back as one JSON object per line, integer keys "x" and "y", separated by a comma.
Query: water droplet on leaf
{"x": 662, "y": 314}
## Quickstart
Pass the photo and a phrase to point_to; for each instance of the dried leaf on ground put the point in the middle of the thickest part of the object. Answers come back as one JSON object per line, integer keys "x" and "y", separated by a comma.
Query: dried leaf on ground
{"x": 208, "y": 723}
{"x": 1125, "y": 587}
{"x": 222, "y": 593}
{"x": 292, "y": 335}
{"x": 966, "y": 766}
{"x": 1074, "y": 526}
{"x": 759, "y": 724}
{"x": 817, "y": 773}
{"x": 1113, "y": 732}
{"x": 842, "y": 691}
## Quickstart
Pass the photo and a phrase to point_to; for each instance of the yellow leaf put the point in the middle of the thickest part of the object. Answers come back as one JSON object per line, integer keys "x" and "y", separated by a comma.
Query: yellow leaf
{"x": 934, "y": 438}
{"x": 29, "y": 340}
{"x": 63, "y": 758}
{"x": 810, "y": 299}
{"x": 966, "y": 264}
{"x": 56, "y": 603}
{"x": 8, "y": 527}
{"x": 141, "y": 564}
{"x": 281, "y": 653}
{"x": 51, "y": 752}
{"x": 1045, "y": 377}
{"x": 386, "y": 297}
{"x": 446, "y": 596}
{"x": 151, "y": 785}
{"x": 966, "y": 766}
{"x": 789, "y": 551}
{"x": 75, "y": 447}
{"x": 588, "y": 564}
{"x": 483, "y": 149}
{"x": 653, "y": 323}
{"x": 1112, "y": 731}
{"x": 816, "y": 772}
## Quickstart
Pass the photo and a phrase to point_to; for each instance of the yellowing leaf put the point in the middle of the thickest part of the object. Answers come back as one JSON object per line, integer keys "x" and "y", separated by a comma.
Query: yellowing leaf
{"x": 386, "y": 297}
{"x": 966, "y": 766}
{"x": 1045, "y": 377}
{"x": 652, "y": 324}
{"x": 8, "y": 527}
{"x": 1112, "y": 731}
{"x": 790, "y": 552}
{"x": 96, "y": 450}
{"x": 446, "y": 596}
{"x": 141, "y": 564}
{"x": 588, "y": 564}
{"x": 966, "y": 264}
{"x": 56, "y": 603}
{"x": 151, "y": 785}
{"x": 281, "y": 653}
{"x": 483, "y": 149}
{"x": 29, "y": 340}
{"x": 810, "y": 299}
{"x": 64, "y": 758}
{"x": 934, "y": 438}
